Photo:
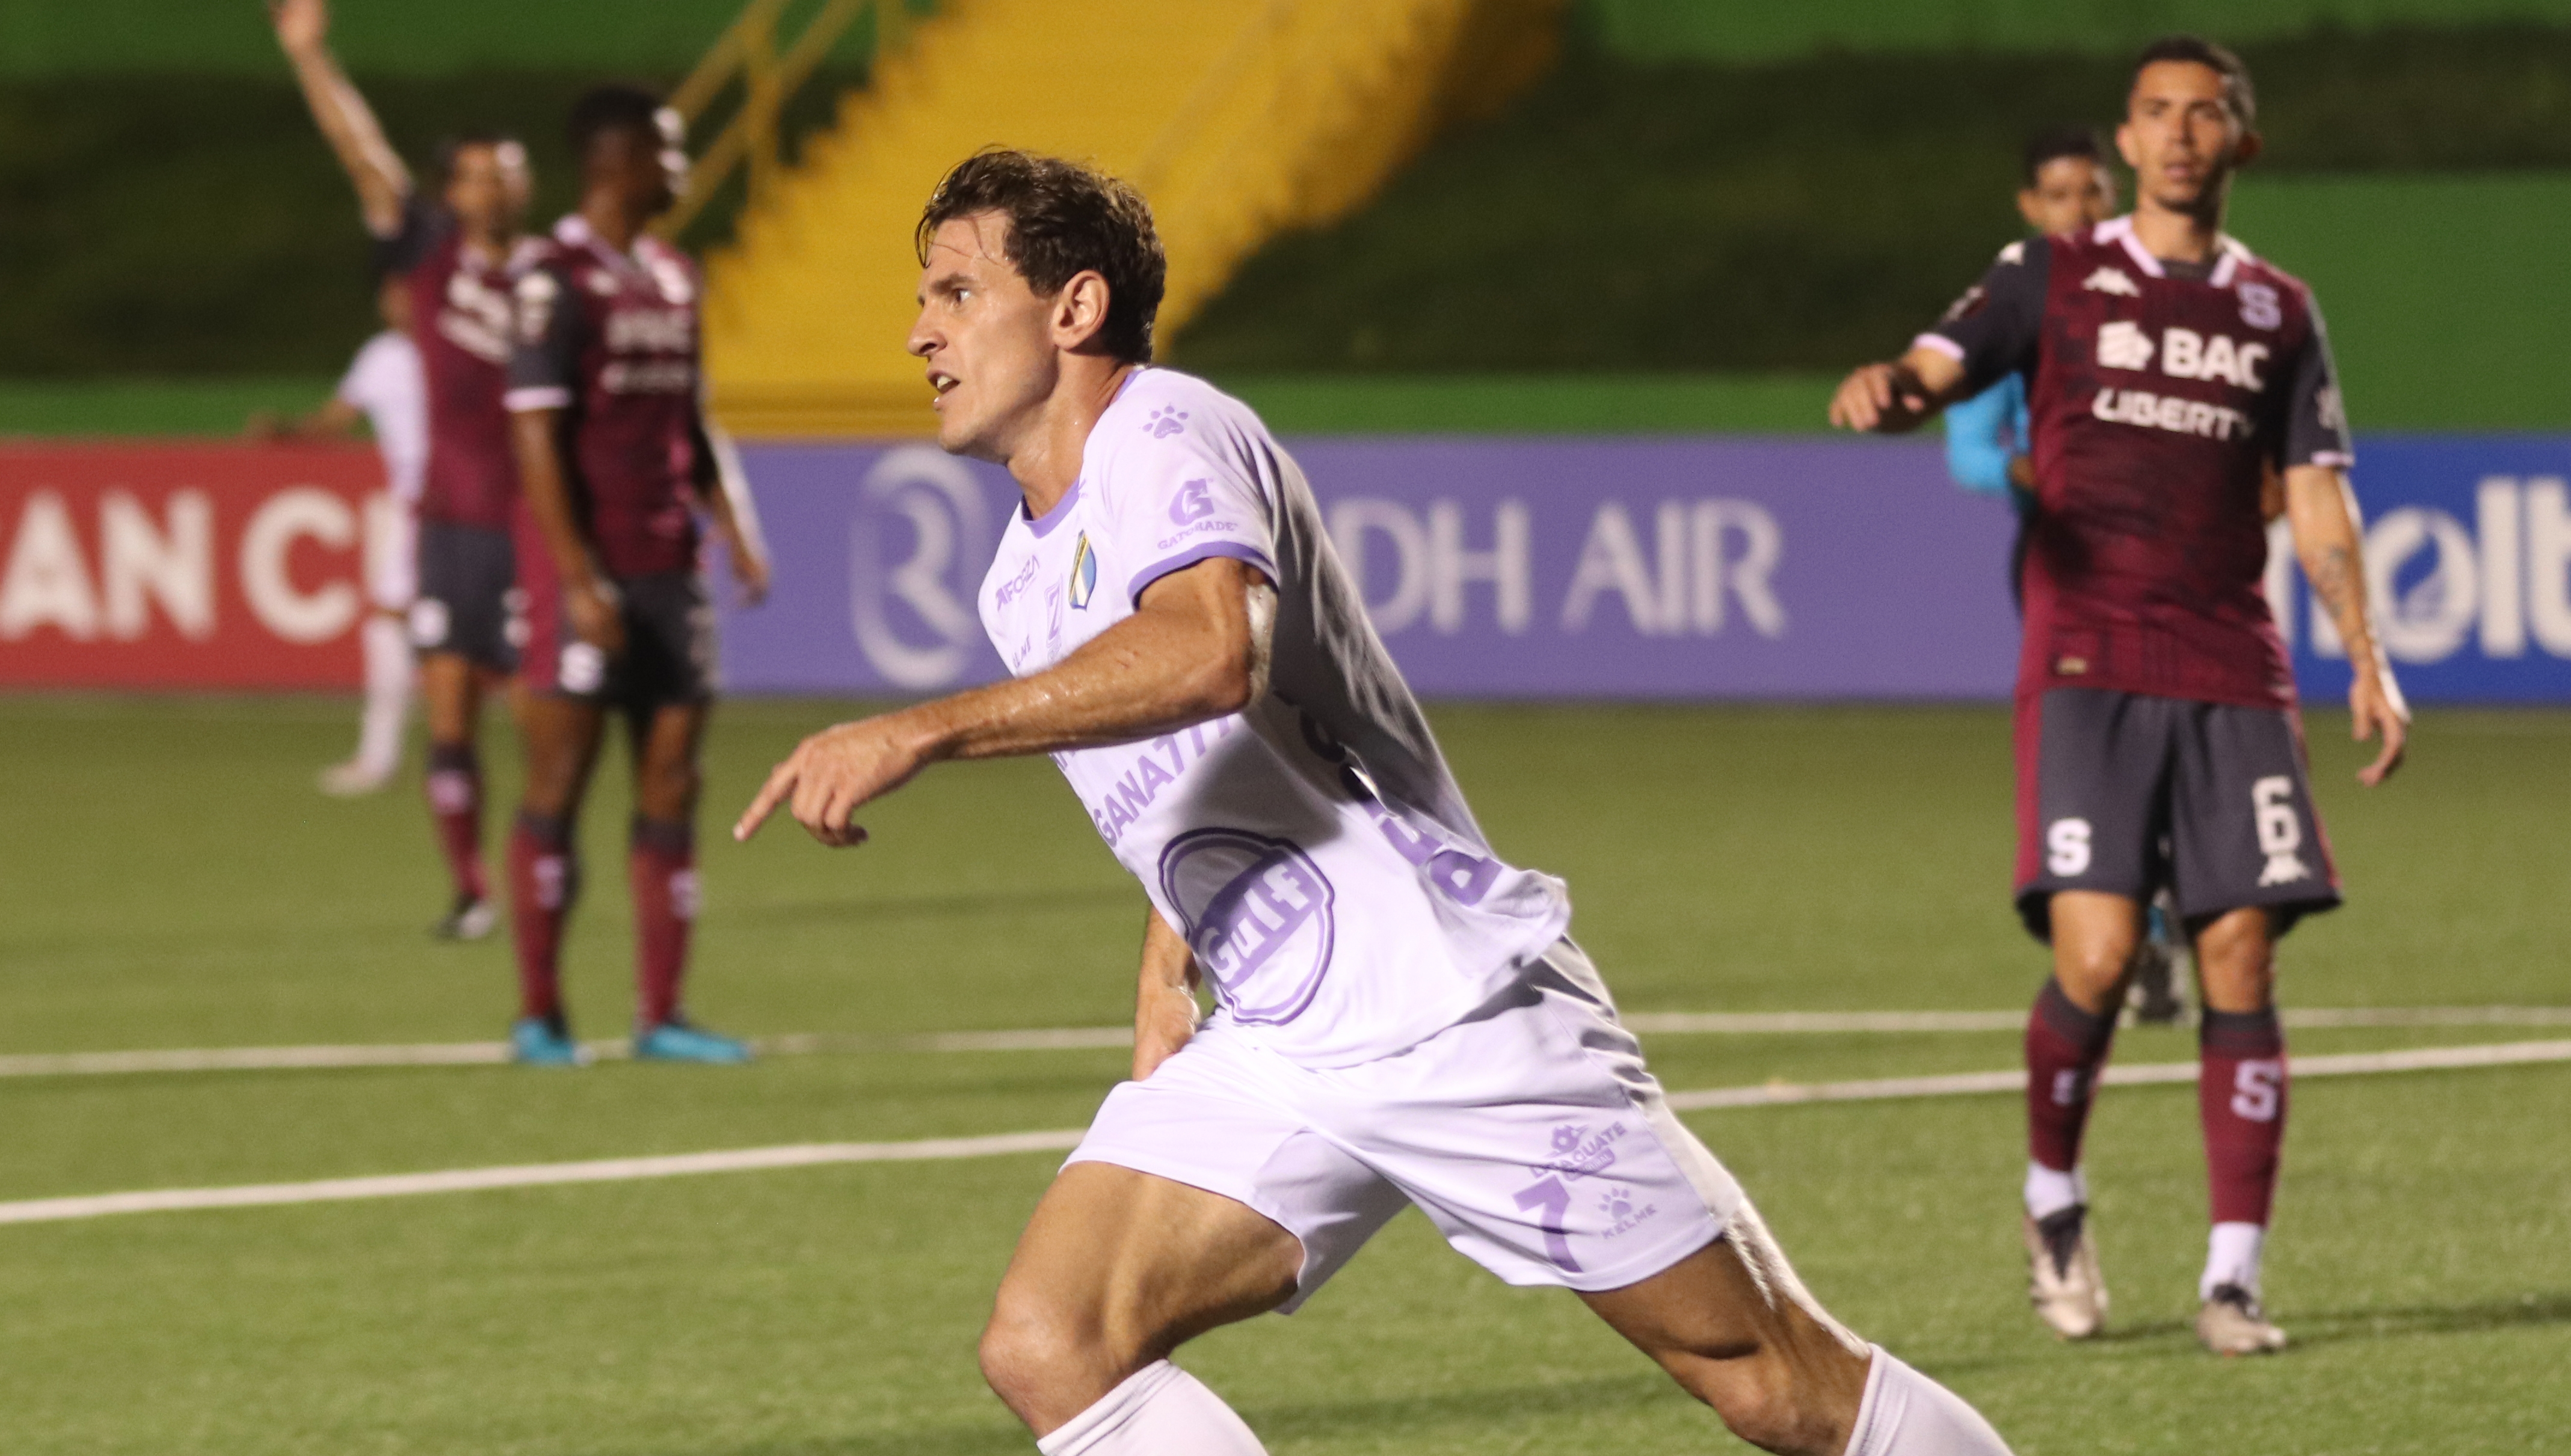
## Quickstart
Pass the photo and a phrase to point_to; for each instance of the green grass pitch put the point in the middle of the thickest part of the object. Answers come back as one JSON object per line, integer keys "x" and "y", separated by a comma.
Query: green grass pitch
{"x": 172, "y": 880}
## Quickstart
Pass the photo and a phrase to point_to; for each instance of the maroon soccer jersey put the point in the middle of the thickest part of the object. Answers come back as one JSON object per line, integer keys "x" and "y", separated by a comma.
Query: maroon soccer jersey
{"x": 610, "y": 339}
{"x": 461, "y": 320}
{"x": 2158, "y": 401}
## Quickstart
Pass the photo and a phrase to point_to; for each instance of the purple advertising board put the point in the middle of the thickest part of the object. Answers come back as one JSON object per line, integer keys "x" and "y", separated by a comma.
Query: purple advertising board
{"x": 1699, "y": 567}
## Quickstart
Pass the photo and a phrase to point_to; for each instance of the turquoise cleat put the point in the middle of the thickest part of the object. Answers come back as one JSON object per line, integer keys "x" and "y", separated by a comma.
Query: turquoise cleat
{"x": 675, "y": 1041}
{"x": 535, "y": 1040}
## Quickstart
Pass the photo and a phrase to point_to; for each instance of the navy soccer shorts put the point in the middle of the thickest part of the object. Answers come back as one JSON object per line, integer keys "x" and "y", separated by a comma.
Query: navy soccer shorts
{"x": 2125, "y": 792}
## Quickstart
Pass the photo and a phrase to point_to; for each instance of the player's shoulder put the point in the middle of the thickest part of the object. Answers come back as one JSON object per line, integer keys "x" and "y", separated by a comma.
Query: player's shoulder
{"x": 2251, "y": 273}
{"x": 389, "y": 349}
{"x": 1161, "y": 412}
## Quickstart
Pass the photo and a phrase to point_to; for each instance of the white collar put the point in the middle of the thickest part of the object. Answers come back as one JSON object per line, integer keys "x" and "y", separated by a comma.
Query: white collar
{"x": 2229, "y": 253}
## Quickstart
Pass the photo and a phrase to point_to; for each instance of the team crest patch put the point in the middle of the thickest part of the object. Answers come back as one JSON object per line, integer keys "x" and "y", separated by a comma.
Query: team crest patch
{"x": 1084, "y": 573}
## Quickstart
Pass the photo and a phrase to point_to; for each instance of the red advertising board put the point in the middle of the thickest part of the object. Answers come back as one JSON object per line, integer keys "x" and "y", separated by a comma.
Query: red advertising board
{"x": 196, "y": 566}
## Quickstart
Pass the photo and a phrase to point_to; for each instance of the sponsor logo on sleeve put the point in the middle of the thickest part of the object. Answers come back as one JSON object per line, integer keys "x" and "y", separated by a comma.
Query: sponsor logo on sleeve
{"x": 2260, "y": 305}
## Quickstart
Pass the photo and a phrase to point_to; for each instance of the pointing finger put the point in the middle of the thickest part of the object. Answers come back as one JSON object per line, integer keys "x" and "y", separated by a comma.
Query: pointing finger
{"x": 780, "y": 780}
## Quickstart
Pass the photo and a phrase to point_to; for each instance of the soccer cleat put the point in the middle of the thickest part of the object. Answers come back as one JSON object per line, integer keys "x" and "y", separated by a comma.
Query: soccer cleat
{"x": 472, "y": 918}
{"x": 2231, "y": 1323}
{"x": 677, "y": 1041}
{"x": 355, "y": 779}
{"x": 2063, "y": 1282}
{"x": 537, "y": 1041}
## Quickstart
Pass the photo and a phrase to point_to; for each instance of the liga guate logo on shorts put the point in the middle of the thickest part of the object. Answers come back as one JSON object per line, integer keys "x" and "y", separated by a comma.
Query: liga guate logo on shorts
{"x": 1258, "y": 917}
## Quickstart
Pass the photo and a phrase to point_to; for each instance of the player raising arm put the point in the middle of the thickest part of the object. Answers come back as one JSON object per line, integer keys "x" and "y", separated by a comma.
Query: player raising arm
{"x": 2169, "y": 372}
{"x": 453, "y": 249}
{"x": 1400, "y": 1018}
{"x": 618, "y": 459}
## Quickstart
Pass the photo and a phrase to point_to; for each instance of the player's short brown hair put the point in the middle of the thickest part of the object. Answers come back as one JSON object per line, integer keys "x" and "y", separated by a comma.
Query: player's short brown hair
{"x": 1064, "y": 220}
{"x": 2197, "y": 50}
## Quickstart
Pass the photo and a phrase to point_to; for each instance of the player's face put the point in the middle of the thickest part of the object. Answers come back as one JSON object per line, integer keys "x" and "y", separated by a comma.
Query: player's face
{"x": 489, "y": 187}
{"x": 644, "y": 170}
{"x": 2181, "y": 136}
{"x": 2069, "y": 193}
{"x": 986, "y": 336}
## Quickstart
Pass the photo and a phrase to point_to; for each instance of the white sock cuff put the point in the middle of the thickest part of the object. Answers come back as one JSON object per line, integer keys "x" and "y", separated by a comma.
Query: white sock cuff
{"x": 2232, "y": 1257}
{"x": 2049, "y": 1191}
{"x": 1904, "y": 1413}
{"x": 1111, "y": 1411}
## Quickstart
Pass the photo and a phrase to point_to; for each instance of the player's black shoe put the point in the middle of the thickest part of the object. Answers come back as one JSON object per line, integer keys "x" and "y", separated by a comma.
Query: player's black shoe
{"x": 472, "y": 918}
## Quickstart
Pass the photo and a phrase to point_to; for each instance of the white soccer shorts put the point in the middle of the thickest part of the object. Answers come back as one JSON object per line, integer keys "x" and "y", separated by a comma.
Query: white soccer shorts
{"x": 1530, "y": 1134}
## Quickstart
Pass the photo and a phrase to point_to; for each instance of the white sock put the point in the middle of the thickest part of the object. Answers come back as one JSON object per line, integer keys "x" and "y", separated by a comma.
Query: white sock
{"x": 2049, "y": 1193}
{"x": 2232, "y": 1257}
{"x": 1905, "y": 1413}
{"x": 1160, "y": 1410}
{"x": 390, "y": 671}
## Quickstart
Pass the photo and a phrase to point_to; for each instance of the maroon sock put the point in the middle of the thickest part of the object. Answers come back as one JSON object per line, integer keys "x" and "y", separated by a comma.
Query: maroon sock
{"x": 544, "y": 880}
{"x": 2065, "y": 1046}
{"x": 455, "y": 808}
{"x": 662, "y": 866}
{"x": 2240, "y": 1097}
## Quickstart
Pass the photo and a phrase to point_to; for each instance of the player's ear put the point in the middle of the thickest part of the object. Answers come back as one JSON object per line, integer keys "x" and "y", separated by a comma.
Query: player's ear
{"x": 2126, "y": 148}
{"x": 2247, "y": 150}
{"x": 1080, "y": 312}
{"x": 2030, "y": 207}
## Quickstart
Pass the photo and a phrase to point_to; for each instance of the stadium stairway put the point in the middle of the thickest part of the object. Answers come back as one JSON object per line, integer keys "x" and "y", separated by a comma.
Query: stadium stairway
{"x": 1238, "y": 120}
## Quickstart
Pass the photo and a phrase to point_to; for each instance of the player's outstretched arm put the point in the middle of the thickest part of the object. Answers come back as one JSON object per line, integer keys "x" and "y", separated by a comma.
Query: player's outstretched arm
{"x": 1164, "y": 997}
{"x": 725, "y": 488}
{"x": 333, "y": 419}
{"x": 383, "y": 183}
{"x": 1194, "y": 648}
{"x": 1898, "y": 396}
{"x": 2331, "y": 544}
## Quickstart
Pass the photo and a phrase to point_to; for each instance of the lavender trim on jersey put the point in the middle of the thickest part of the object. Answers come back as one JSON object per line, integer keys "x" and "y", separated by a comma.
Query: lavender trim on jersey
{"x": 1193, "y": 554}
{"x": 2335, "y": 459}
{"x": 1054, "y": 517}
{"x": 537, "y": 397}
{"x": 1940, "y": 343}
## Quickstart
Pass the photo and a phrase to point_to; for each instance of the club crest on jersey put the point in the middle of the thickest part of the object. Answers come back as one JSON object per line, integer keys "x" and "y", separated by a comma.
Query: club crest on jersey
{"x": 2260, "y": 307}
{"x": 1084, "y": 573}
{"x": 2113, "y": 280}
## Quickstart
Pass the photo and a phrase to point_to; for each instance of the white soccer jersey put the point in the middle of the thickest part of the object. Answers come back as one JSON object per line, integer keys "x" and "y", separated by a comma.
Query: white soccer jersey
{"x": 1314, "y": 848}
{"x": 386, "y": 381}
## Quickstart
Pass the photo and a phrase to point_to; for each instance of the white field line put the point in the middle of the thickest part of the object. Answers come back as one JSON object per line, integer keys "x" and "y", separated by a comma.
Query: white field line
{"x": 1047, "y": 1039}
{"x": 813, "y": 1154}
{"x": 1962, "y": 1084}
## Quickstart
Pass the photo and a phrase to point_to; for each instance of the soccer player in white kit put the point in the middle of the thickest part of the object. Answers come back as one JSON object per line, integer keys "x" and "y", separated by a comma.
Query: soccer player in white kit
{"x": 385, "y": 387}
{"x": 1398, "y": 1018}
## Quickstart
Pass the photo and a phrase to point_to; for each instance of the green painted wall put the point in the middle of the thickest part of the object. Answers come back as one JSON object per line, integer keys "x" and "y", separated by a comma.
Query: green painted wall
{"x": 387, "y": 37}
{"x": 1737, "y": 30}
{"x": 2446, "y": 296}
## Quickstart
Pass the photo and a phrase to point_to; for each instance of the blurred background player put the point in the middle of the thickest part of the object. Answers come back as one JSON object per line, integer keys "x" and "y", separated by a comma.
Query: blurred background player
{"x": 2067, "y": 183}
{"x": 455, "y": 249}
{"x": 617, "y": 457}
{"x": 2171, "y": 371}
{"x": 385, "y": 391}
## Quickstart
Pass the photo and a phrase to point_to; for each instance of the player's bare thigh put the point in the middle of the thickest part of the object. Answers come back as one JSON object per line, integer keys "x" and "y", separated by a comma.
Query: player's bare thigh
{"x": 1116, "y": 1269}
{"x": 1732, "y": 1326}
